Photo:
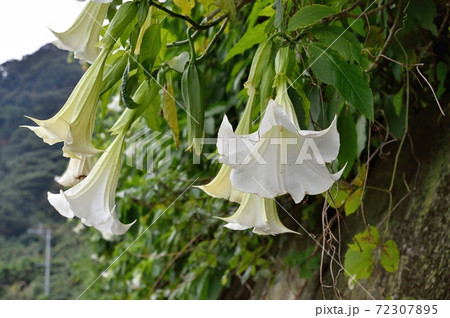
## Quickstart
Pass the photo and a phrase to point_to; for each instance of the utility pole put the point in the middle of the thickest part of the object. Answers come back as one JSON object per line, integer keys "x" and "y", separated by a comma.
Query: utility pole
{"x": 47, "y": 233}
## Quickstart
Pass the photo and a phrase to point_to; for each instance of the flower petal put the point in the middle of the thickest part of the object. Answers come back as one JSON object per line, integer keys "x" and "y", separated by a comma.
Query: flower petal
{"x": 82, "y": 37}
{"x": 93, "y": 199}
{"x": 257, "y": 213}
{"x": 275, "y": 225}
{"x": 60, "y": 203}
{"x": 220, "y": 186}
{"x": 279, "y": 158}
{"x": 249, "y": 214}
{"x": 47, "y": 136}
{"x": 74, "y": 123}
{"x": 112, "y": 225}
{"x": 77, "y": 170}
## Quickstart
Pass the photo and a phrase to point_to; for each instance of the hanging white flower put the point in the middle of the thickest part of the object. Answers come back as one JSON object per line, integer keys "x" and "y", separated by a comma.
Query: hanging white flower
{"x": 220, "y": 186}
{"x": 83, "y": 36}
{"x": 257, "y": 213}
{"x": 279, "y": 158}
{"x": 74, "y": 123}
{"x": 93, "y": 199}
{"x": 77, "y": 170}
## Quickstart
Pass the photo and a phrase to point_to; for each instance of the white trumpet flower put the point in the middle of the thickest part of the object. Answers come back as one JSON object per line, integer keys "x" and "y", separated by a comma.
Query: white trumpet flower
{"x": 74, "y": 123}
{"x": 220, "y": 186}
{"x": 77, "y": 170}
{"x": 93, "y": 199}
{"x": 257, "y": 213}
{"x": 276, "y": 159}
{"x": 83, "y": 36}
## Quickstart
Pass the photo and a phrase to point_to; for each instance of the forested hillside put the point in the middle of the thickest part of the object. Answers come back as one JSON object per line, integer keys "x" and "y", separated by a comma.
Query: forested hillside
{"x": 37, "y": 85}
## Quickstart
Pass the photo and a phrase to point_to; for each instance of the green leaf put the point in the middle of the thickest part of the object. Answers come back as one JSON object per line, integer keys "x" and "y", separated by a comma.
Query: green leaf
{"x": 422, "y": 13}
{"x": 228, "y": 7}
{"x": 278, "y": 6}
{"x": 348, "y": 140}
{"x": 178, "y": 62}
{"x": 306, "y": 104}
{"x": 390, "y": 256}
{"x": 333, "y": 107}
{"x": 353, "y": 202}
{"x": 142, "y": 12}
{"x": 348, "y": 79}
{"x": 152, "y": 116}
{"x": 153, "y": 101}
{"x": 309, "y": 15}
{"x": 358, "y": 264}
{"x": 150, "y": 47}
{"x": 361, "y": 177}
{"x": 126, "y": 89}
{"x": 398, "y": 101}
{"x": 357, "y": 25}
{"x": 215, "y": 287}
{"x": 338, "y": 194}
{"x": 115, "y": 72}
{"x": 366, "y": 240}
{"x": 185, "y": 6}
{"x": 170, "y": 111}
{"x": 123, "y": 17}
{"x": 338, "y": 39}
{"x": 260, "y": 8}
{"x": 267, "y": 12}
{"x": 397, "y": 123}
{"x": 251, "y": 37}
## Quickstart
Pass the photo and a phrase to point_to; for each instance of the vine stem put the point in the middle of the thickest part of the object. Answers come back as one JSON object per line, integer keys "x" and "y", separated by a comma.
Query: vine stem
{"x": 195, "y": 25}
{"x": 183, "y": 42}
{"x": 397, "y": 155}
{"x": 213, "y": 41}
{"x": 391, "y": 36}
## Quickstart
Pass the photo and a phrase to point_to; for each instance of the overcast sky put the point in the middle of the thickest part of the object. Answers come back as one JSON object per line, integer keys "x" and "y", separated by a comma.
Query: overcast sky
{"x": 24, "y": 24}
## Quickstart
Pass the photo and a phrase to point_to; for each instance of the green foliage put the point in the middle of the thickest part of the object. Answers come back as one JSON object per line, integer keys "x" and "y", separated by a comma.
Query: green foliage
{"x": 186, "y": 253}
{"x": 305, "y": 260}
{"x": 347, "y": 78}
{"x": 390, "y": 256}
{"x": 357, "y": 69}
{"x": 248, "y": 40}
{"x": 345, "y": 43}
{"x": 361, "y": 255}
{"x": 309, "y": 15}
{"x": 348, "y": 139}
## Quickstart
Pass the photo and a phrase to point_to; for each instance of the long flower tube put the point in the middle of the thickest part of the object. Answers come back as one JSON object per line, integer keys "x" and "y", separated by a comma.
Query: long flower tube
{"x": 77, "y": 170}
{"x": 93, "y": 199}
{"x": 83, "y": 36}
{"x": 74, "y": 123}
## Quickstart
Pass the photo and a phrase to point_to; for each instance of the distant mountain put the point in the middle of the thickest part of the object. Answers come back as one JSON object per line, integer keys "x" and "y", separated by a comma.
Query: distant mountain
{"x": 37, "y": 86}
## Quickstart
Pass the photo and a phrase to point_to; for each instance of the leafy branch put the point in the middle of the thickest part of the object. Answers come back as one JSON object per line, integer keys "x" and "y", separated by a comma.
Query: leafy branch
{"x": 195, "y": 25}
